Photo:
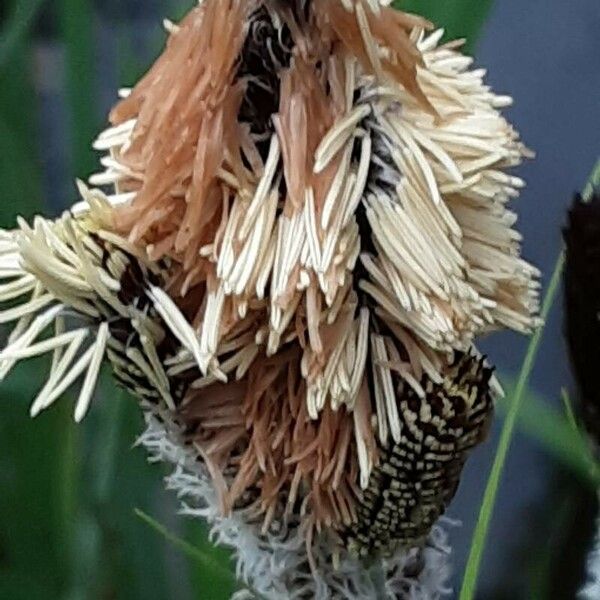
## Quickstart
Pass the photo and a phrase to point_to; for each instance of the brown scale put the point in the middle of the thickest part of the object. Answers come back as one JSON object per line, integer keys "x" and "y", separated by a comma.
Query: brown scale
{"x": 135, "y": 280}
{"x": 418, "y": 477}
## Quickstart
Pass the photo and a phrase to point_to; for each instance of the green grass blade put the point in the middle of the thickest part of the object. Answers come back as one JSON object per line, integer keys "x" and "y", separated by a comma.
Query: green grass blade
{"x": 489, "y": 498}
{"x": 569, "y": 410}
{"x": 205, "y": 560}
{"x": 558, "y": 434}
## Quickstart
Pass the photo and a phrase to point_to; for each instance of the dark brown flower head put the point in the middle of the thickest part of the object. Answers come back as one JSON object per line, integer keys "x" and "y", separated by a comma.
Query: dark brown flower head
{"x": 582, "y": 302}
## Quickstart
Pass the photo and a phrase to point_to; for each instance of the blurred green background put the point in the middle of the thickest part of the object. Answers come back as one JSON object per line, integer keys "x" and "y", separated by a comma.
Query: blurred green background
{"x": 68, "y": 528}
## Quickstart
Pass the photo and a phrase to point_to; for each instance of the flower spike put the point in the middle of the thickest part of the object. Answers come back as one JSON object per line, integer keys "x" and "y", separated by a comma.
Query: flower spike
{"x": 298, "y": 231}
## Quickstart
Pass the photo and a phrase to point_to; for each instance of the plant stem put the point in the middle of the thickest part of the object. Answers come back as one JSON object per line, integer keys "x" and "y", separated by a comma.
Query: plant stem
{"x": 188, "y": 549}
{"x": 592, "y": 184}
{"x": 489, "y": 498}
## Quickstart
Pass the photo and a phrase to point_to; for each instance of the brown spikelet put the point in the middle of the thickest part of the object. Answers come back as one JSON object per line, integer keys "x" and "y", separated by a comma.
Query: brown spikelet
{"x": 186, "y": 129}
{"x": 306, "y": 113}
{"x": 362, "y": 30}
{"x": 262, "y": 428}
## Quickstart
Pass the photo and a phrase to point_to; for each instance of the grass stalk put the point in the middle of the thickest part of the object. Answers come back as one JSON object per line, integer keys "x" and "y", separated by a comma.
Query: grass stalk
{"x": 184, "y": 546}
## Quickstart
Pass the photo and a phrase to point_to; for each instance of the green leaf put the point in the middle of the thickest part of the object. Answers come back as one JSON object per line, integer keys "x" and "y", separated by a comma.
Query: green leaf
{"x": 19, "y": 163}
{"x": 202, "y": 578}
{"x": 557, "y": 433}
{"x": 76, "y": 19}
{"x": 17, "y": 28}
{"x": 541, "y": 570}
{"x": 33, "y": 561}
{"x": 127, "y": 560}
{"x": 32, "y": 502}
{"x": 460, "y": 18}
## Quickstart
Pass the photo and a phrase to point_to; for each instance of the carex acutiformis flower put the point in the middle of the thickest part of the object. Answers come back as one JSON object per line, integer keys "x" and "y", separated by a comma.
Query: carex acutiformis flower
{"x": 299, "y": 231}
{"x": 582, "y": 329}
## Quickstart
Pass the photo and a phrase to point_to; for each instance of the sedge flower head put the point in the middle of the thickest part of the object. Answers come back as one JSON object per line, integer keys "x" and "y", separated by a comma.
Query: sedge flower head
{"x": 299, "y": 230}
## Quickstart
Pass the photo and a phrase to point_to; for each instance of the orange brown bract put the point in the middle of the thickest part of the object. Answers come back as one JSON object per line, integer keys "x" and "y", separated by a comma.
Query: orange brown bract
{"x": 303, "y": 230}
